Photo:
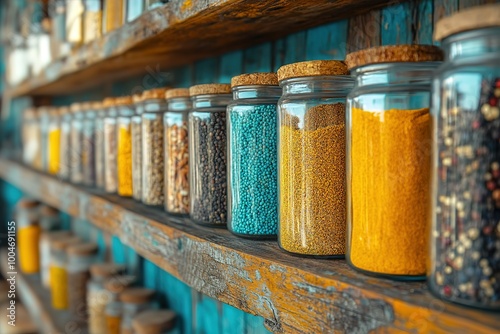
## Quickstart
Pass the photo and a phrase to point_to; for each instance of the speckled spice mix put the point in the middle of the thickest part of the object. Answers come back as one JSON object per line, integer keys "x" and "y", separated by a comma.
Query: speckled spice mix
{"x": 312, "y": 191}
{"x": 390, "y": 161}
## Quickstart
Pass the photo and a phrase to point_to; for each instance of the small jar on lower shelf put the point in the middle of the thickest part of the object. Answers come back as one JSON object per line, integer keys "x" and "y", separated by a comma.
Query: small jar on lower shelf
{"x": 154, "y": 322}
{"x": 114, "y": 308}
{"x": 45, "y": 240}
{"x": 136, "y": 132}
{"x": 76, "y": 143}
{"x": 28, "y": 235}
{"x": 135, "y": 301}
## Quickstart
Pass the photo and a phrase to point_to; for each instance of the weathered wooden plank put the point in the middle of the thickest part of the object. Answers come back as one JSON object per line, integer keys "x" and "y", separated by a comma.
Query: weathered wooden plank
{"x": 257, "y": 58}
{"x": 423, "y": 22}
{"x": 291, "y": 295}
{"x": 396, "y": 24}
{"x": 328, "y": 41}
{"x": 364, "y": 31}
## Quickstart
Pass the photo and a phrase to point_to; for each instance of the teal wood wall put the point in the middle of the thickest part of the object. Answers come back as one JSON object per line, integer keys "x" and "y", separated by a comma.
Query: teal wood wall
{"x": 404, "y": 22}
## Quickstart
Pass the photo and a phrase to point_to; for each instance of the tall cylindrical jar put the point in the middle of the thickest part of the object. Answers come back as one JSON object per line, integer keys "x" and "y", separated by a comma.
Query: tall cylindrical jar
{"x": 76, "y": 143}
{"x": 207, "y": 153}
{"x": 135, "y": 301}
{"x": 29, "y": 138}
{"x": 89, "y": 143}
{"x": 465, "y": 234}
{"x": 136, "y": 131}
{"x": 154, "y": 322}
{"x": 65, "y": 143}
{"x": 113, "y": 15}
{"x": 92, "y": 20}
{"x": 110, "y": 138}
{"x": 154, "y": 105}
{"x": 252, "y": 132}
{"x": 311, "y": 157}
{"x": 28, "y": 235}
{"x": 45, "y": 240}
{"x": 125, "y": 109}
{"x": 114, "y": 308}
{"x": 388, "y": 159}
{"x": 44, "y": 119}
{"x": 54, "y": 141}
{"x": 99, "y": 144}
{"x": 175, "y": 122}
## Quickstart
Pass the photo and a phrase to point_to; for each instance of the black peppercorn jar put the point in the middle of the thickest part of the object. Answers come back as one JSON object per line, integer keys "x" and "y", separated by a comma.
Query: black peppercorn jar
{"x": 207, "y": 153}
{"x": 465, "y": 235}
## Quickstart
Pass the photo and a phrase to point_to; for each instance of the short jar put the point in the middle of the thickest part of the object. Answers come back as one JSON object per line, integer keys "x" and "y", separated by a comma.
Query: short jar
{"x": 28, "y": 235}
{"x": 136, "y": 131}
{"x": 110, "y": 138}
{"x": 54, "y": 141}
{"x": 388, "y": 159}
{"x": 99, "y": 144}
{"x": 65, "y": 144}
{"x": 252, "y": 133}
{"x": 465, "y": 234}
{"x": 114, "y": 308}
{"x": 154, "y": 105}
{"x": 311, "y": 157}
{"x": 45, "y": 239}
{"x": 58, "y": 272}
{"x": 89, "y": 143}
{"x": 76, "y": 143}
{"x": 135, "y": 301}
{"x": 175, "y": 123}
{"x": 125, "y": 109}
{"x": 207, "y": 154}
{"x": 154, "y": 322}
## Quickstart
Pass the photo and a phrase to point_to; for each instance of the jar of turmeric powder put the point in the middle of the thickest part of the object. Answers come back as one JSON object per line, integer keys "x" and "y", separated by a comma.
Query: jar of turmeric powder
{"x": 44, "y": 119}
{"x": 311, "y": 157}
{"x": 28, "y": 235}
{"x": 54, "y": 141}
{"x": 388, "y": 159}
{"x": 125, "y": 109}
{"x": 136, "y": 131}
{"x": 76, "y": 143}
{"x": 109, "y": 141}
{"x": 65, "y": 143}
{"x": 465, "y": 234}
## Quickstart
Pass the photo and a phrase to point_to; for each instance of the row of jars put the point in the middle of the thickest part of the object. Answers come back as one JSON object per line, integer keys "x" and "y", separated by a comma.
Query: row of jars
{"x": 95, "y": 292}
{"x": 329, "y": 151}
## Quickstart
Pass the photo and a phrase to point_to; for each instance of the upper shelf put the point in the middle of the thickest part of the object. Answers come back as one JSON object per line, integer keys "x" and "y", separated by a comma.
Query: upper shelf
{"x": 293, "y": 294}
{"x": 181, "y": 32}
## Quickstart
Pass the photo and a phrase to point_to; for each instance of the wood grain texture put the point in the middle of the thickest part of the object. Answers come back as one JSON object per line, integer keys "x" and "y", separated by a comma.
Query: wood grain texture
{"x": 292, "y": 294}
{"x": 364, "y": 31}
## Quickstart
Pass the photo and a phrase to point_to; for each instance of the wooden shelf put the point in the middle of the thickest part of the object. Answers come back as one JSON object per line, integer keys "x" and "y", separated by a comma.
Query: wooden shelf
{"x": 36, "y": 299}
{"x": 293, "y": 294}
{"x": 181, "y": 32}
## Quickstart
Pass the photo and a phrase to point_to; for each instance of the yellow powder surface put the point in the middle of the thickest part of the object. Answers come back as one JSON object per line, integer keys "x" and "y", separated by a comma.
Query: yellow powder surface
{"x": 390, "y": 164}
{"x": 59, "y": 287}
{"x": 28, "y": 250}
{"x": 54, "y": 150}
{"x": 124, "y": 161}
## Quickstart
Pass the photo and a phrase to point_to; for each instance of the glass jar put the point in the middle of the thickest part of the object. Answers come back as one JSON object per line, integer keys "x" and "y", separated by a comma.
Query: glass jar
{"x": 80, "y": 258}
{"x": 465, "y": 242}
{"x": 207, "y": 153}
{"x": 92, "y": 20}
{"x": 175, "y": 122}
{"x": 135, "y": 301}
{"x": 113, "y": 15}
{"x": 74, "y": 21}
{"x": 99, "y": 144}
{"x": 110, "y": 138}
{"x": 50, "y": 220}
{"x": 136, "y": 130}
{"x": 58, "y": 280}
{"x": 152, "y": 146}
{"x": 134, "y": 9}
{"x": 113, "y": 311}
{"x": 65, "y": 144}
{"x": 151, "y": 4}
{"x": 29, "y": 136}
{"x": 54, "y": 141}
{"x": 76, "y": 143}
{"x": 44, "y": 117}
{"x": 311, "y": 155}
{"x": 28, "y": 235}
{"x": 98, "y": 296}
{"x": 388, "y": 159}
{"x": 88, "y": 156}
{"x": 45, "y": 239}
{"x": 124, "y": 146}
{"x": 154, "y": 322}
{"x": 252, "y": 156}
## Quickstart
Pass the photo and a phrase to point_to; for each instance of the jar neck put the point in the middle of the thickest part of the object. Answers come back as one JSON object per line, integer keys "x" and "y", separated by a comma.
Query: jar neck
{"x": 179, "y": 104}
{"x": 211, "y": 101}
{"x": 472, "y": 44}
{"x": 395, "y": 74}
{"x": 156, "y": 105}
{"x": 331, "y": 85}
{"x": 272, "y": 93}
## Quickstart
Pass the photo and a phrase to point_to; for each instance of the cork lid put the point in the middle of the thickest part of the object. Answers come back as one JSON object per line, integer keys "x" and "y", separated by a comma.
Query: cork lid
{"x": 96, "y": 105}
{"x": 123, "y": 100}
{"x": 117, "y": 284}
{"x": 62, "y": 243}
{"x": 136, "y": 98}
{"x": 46, "y": 210}
{"x": 76, "y": 107}
{"x": 177, "y": 92}
{"x": 108, "y": 102}
{"x": 264, "y": 79}
{"x": 27, "y": 203}
{"x": 83, "y": 249}
{"x": 106, "y": 270}
{"x": 157, "y": 93}
{"x": 312, "y": 68}
{"x": 472, "y": 18}
{"x": 394, "y": 54}
{"x": 64, "y": 110}
{"x": 210, "y": 89}
{"x": 154, "y": 321}
{"x": 137, "y": 295}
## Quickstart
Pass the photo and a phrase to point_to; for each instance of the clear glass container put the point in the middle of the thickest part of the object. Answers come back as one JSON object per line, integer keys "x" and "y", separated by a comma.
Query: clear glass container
{"x": 154, "y": 322}
{"x": 465, "y": 242}
{"x": 74, "y": 21}
{"x": 89, "y": 141}
{"x": 110, "y": 139}
{"x": 44, "y": 120}
{"x": 76, "y": 143}
{"x": 58, "y": 272}
{"x": 134, "y": 9}
{"x": 152, "y": 150}
{"x": 311, "y": 160}
{"x": 252, "y": 133}
{"x": 135, "y": 301}
{"x": 388, "y": 166}
{"x": 26, "y": 231}
{"x": 54, "y": 141}
{"x": 114, "y": 308}
{"x": 99, "y": 147}
{"x": 92, "y": 20}
{"x": 113, "y": 15}
{"x": 124, "y": 146}
{"x": 136, "y": 130}
{"x": 29, "y": 137}
{"x": 50, "y": 219}
{"x": 175, "y": 122}
{"x": 65, "y": 145}
{"x": 44, "y": 249}
{"x": 207, "y": 156}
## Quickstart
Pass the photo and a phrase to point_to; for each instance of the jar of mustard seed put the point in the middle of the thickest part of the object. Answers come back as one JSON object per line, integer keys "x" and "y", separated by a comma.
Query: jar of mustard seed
{"x": 252, "y": 156}
{"x": 311, "y": 157}
{"x": 99, "y": 149}
{"x": 154, "y": 322}
{"x": 135, "y": 301}
{"x": 207, "y": 153}
{"x": 154, "y": 105}
{"x": 125, "y": 109}
{"x": 175, "y": 122}
{"x": 28, "y": 234}
{"x": 388, "y": 159}
{"x": 465, "y": 234}
{"x": 136, "y": 131}
{"x": 54, "y": 141}
{"x": 110, "y": 139}
{"x": 65, "y": 143}
{"x": 89, "y": 143}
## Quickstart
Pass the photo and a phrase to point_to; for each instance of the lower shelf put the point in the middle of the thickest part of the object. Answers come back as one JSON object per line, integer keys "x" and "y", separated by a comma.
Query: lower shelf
{"x": 292, "y": 294}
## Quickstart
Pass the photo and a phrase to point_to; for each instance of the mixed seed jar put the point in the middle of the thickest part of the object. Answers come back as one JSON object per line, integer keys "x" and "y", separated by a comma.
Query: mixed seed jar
{"x": 388, "y": 159}
{"x": 136, "y": 131}
{"x": 65, "y": 144}
{"x": 110, "y": 139}
{"x": 125, "y": 110}
{"x": 311, "y": 157}
{"x": 252, "y": 156}
{"x": 465, "y": 235}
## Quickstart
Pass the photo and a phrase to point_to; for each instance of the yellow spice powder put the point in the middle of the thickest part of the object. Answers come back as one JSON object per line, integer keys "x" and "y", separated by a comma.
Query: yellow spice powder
{"x": 54, "y": 150}
{"x": 390, "y": 165}
{"x": 124, "y": 161}
{"x": 59, "y": 287}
